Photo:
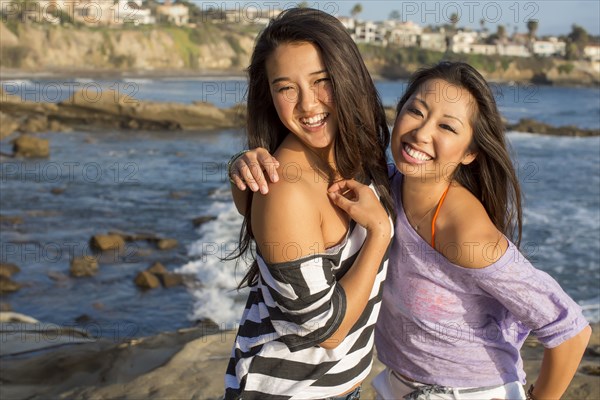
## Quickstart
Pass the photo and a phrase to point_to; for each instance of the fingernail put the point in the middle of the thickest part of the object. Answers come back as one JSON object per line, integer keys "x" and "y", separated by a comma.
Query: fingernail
{"x": 275, "y": 178}
{"x": 264, "y": 189}
{"x": 254, "y": 187}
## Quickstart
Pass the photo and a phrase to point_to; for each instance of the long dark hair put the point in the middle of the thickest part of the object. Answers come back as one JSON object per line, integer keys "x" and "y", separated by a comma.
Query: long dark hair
{"x": 363, "y": 131}
{"x": 491, "y": 177}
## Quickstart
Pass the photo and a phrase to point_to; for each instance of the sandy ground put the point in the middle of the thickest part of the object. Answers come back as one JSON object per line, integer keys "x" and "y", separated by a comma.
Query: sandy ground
{"x": 188, "y": 364}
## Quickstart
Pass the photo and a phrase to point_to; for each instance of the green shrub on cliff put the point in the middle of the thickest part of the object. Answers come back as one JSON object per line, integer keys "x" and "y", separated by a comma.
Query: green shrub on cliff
{"x": 13, "y": 56}
{"x": 185, "y": 46}
{"x": 565, "y": 68}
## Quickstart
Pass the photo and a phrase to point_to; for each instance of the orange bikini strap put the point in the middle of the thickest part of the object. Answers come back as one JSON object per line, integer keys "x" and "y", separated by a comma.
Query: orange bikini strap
{"x": 437, "y": 211}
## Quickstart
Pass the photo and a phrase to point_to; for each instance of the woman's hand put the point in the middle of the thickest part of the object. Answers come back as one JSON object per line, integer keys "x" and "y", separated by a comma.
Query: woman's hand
{"x": 249, "y": 169}
{"x": 362, "y": 205}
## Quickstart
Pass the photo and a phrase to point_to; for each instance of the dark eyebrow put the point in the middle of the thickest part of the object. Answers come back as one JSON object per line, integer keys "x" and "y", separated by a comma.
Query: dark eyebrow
{"x": 456, "y": 118}
{"x": 445, "y": 115}
{"x": 284, "y": 78}
{"x": 422, "y": 102}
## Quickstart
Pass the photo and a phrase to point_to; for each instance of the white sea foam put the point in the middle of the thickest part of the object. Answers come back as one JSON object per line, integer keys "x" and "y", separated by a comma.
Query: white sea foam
{"x": 591, "y": 309}
{"x": 216, "y": 297}
{"x": 16, "y": 82}
{"x": 141, "y": 81}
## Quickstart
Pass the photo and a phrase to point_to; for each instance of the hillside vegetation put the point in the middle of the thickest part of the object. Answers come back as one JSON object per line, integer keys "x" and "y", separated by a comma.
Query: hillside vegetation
{"x": 227, "y": 48}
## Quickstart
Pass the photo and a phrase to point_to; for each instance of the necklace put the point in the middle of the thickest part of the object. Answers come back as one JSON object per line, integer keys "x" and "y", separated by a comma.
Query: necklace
{"x": 417, "y": 224}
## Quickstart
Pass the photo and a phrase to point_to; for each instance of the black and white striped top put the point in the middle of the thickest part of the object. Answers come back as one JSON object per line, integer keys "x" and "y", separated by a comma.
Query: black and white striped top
{"x": 294, "y": 307}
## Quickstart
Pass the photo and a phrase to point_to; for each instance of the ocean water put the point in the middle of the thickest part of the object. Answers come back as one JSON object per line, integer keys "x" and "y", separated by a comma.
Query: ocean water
{"x": 516, "y": 101}
{"x": 157, "y": 182}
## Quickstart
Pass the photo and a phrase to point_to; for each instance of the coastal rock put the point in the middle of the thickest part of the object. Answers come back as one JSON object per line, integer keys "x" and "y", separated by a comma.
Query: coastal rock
{"x": 11, "y": 219}
{"x": 157, "y": 269}
{"x": 121, "y": 111}
{"x": 533, "y": 126}
{"x": 187, "y": 364}
{"x": 134, "y": 237}
{"x": 107, "y": 242}
{"x": 8, "y": 125}
{"x": 35, "y": 124}
{"x": 31, "y": 147}
{"x": 170, "y": 279}
{"x": 57, "y": 190}
{"x": 202, "y": 220}
{"x": 83, "y": 266}
{"x": 7, "y": 285}
{"x": 7, "y": 269}
{"x": 146, "y": 280}
{"x": 591, "y": 370}
{"x": 166, "y": 244}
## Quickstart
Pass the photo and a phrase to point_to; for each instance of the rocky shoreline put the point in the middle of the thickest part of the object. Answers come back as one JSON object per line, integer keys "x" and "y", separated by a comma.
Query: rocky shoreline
{"x": 105, "y": 110}
{"x": 189, "y": 363}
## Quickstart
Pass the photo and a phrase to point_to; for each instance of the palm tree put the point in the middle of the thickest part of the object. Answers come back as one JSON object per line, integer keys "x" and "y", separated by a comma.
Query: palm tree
{"x": 454, "y": 20}
{"x": 532, "y": 27}
{"x": 357, "y": 9}
{"x": 394, "y": 15}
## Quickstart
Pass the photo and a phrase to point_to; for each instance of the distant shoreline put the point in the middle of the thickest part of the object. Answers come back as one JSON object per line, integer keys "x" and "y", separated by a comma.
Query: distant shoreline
{"x": 7, "y": 74}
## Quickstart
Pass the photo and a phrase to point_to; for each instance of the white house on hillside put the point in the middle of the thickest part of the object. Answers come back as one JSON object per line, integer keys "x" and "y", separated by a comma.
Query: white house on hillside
{"x": 550, "y": 47}
{"x": 405, "y": 34}
{"x": 177, "y": 14}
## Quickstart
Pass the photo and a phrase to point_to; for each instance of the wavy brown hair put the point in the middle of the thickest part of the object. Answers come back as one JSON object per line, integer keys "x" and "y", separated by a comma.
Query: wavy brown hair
{"x": 491, "y": 177}
{"x": 363, "y": 132}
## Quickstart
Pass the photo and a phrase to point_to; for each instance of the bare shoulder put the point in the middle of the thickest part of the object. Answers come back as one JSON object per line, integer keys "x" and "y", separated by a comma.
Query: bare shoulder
{"x": 467, "y": 236}
{"x": 286, "y": 223}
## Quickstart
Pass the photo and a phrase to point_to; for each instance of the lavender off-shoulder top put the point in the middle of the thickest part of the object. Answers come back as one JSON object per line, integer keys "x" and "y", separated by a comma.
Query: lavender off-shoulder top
{"x": 448, "y": 325}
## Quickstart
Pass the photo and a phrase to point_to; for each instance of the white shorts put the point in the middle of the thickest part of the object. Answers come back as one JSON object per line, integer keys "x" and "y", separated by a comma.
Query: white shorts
{"x": 389, "y": 387}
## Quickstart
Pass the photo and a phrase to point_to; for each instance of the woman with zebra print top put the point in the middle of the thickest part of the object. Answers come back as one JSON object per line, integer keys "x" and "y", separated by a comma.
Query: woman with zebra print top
{"x": 307, "y": 330}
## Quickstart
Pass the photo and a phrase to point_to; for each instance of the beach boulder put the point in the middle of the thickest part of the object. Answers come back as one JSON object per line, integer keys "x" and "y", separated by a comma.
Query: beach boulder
{"x": 34, "y": 124}
{"x": 166, "y": 244}
{"x": 107, "y": 242}
{"x": 31, "y": 147}
{"x": 8, "y": 125}
{"x": 157, "y": 269}
{"x": 7, "y": 285}
{"x": 83, "y": 266}
{"x": 146, "y": 280}
{"x": 7, "y": 270}
{"x": 203, "y": 219}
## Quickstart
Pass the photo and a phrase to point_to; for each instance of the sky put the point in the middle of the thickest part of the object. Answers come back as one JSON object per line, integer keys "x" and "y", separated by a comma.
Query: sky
{"x": 555, "y": 17}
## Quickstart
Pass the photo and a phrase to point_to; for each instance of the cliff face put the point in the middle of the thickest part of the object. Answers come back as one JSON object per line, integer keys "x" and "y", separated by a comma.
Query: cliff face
{"x": 220, "y": 47}
{"x": 400, "y": 63}
{"x": 38, "y": 48}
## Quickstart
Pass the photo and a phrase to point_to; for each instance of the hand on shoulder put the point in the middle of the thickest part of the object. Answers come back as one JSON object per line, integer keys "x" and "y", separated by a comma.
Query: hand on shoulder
{"x": 466, "y": 235}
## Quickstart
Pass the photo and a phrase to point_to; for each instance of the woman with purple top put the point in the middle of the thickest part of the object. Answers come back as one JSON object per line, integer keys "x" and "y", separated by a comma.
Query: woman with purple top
{"x": 459, "y": 298}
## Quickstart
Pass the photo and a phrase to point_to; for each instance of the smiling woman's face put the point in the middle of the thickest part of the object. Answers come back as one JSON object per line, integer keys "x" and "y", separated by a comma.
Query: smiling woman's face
{"x": 302, "y": 93}
{"x": 432, "y": 134}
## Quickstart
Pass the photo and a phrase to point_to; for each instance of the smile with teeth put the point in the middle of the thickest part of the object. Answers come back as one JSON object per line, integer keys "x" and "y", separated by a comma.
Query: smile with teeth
{"x": 419, "y": 155}
{"x": 314, "y": 121}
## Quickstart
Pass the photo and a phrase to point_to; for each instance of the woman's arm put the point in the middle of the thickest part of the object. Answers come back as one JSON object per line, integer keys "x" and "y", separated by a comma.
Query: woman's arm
{"x": 533, "y": 296}
{"x": 359, "y": 280}
{"x": 287, "y": 227}
{"x": 559, "y": 366}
